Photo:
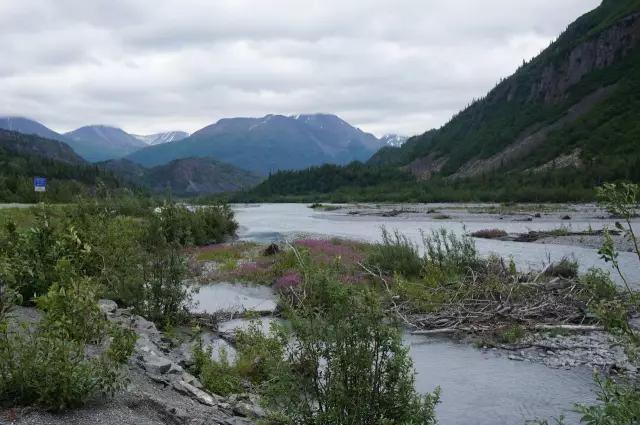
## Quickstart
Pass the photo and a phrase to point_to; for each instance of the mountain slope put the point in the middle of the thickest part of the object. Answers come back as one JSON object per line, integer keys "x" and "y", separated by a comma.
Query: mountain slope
{"x": 269, "y": 143}
{"x": 160, "y": 138}
{"x": 30, "y": 144}
{"x": 580, "y": 94}
{"x": 24, "y": 156}
{"x": 185, "y": 177}
{"x": 100, "y": 142}
{"x": 28, "y": 126}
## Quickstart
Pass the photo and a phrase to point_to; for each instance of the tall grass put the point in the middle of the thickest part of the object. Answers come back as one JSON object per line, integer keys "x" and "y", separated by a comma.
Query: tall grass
{"x": 396, "y": 254}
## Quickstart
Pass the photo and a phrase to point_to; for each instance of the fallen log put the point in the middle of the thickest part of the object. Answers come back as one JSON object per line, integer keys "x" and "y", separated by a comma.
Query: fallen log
{"x": 540, "y": 327}
{"x": 573, "y": 328}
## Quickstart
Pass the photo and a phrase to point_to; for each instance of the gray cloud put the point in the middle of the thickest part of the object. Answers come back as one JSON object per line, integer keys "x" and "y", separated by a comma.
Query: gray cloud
{"x": 151, "y": 65}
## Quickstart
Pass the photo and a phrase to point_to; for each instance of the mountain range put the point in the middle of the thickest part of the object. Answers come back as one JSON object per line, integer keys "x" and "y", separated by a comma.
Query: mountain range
{"x": 94, "y": 142}
{"x": 564, "y": 122}
{"x": 259, "y": 145}
{"x": 24, "y": 156}
{"x": 271, "y": 143}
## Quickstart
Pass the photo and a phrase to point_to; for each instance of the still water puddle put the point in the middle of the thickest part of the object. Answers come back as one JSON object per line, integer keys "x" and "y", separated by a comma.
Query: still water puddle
{"x": 234, "y": 298}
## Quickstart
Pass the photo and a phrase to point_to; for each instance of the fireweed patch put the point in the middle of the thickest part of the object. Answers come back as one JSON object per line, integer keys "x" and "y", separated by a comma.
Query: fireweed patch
{"x": 323, "y": 250}
{"x": 288, "y": 280}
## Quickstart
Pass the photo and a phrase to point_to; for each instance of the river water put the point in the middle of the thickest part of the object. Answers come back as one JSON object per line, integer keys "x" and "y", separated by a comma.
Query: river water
{"x": 266, "y": 222}
{"x": 479, "y": 387}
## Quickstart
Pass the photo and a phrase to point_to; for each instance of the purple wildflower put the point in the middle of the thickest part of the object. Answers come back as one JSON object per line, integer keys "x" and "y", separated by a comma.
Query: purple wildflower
{"x": 288, "y": 280}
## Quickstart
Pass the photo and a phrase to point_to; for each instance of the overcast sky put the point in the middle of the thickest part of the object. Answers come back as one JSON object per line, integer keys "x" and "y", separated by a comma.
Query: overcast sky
{"x": 399, "y": 66}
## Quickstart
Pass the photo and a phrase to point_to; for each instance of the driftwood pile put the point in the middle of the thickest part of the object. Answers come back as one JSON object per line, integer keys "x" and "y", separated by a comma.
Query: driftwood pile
{"x": 558, "y": 303}
{"x": 492, "y": 299}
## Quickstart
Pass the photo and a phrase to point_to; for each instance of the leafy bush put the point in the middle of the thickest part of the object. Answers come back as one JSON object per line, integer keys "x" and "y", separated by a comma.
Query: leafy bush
{"x": 40, "y": 367}
{"x": 346, "y": 363}
{"x": 259, "y": 358}
{"x": 395, "y": 254}
{"x": 71, "y": 307}
{"x": 218, "y": 376}
{"x": 202, "y": 226}
{"x": 48, "y": 364}
{"x": 599, "y": 285}
{"x": 619, "y": 404}
{"x": 260, "y": 355}
{"x": 122, "y": 344}
{"x": 448, "y": 252}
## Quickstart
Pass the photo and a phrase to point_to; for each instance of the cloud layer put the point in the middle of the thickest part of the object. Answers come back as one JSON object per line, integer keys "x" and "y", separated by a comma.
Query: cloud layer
{"x": 400, "y": 66}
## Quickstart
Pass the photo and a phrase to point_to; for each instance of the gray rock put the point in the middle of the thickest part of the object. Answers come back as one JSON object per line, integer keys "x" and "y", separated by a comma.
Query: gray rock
{"x": 248, "y": 410}
{"x": 107, "y": 306}
{"x": 197, "y": 394}
{"x": 191, "y": 380}
{"x": 156, "y": 364}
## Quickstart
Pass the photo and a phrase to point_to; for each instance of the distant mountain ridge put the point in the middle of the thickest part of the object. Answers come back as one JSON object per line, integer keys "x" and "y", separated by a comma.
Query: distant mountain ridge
{"x": 54, "y": 150}
{"x": 185, "y": 177}
{"x": 261, "y": 145}
{"x": 98, "y": 142}
{"x": 269, "y": 143}
{"x": 160, "y": 138}
{"x": 28, "y": 126}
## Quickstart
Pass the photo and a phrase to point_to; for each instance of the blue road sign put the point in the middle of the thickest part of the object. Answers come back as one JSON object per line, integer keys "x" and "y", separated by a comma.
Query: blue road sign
{"x": 40, "y": 184}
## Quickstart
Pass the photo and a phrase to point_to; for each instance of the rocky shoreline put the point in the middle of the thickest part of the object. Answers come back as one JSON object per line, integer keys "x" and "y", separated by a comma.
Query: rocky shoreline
{"x": 160, "y": 390}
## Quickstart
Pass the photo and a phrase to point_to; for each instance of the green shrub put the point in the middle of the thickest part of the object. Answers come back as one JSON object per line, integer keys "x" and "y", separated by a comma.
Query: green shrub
{"x": 48, "y": 364}
{"x": 71, "y": 307}
{"x": 202, "y": 226}
{"x": 260, "y": 355}
{"x": 395, "y": 254}
{"x": 346, "y": 363}
{"x": 259, "y": 359}
{"x": 41, "y": 368}
{"x": 122, "y": 346}
{"x": 218, "y": 376}
{"x": 619, "y": 404}
{"x": 599, "y": 285}
{"x": 511, "y": 334}
{"x": 450, "y": 253}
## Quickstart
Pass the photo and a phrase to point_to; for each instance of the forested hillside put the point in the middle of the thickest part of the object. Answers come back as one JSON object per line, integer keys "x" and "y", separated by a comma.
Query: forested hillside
{"x": 24, "y": 156}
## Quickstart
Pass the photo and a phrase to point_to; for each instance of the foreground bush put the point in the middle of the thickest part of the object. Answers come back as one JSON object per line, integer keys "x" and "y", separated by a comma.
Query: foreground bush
{"x": 39, "y": 367}
{"x": 346, "y": 363}
{"x": 47, "y": 363}
{"x": 138, "y": 261}
{"x": 259, "y": 359}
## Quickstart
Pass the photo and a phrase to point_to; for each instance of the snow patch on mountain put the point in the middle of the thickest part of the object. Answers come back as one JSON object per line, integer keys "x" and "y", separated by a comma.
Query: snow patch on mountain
{"x": 161, "y": 138}
{"x": 394, "y": 140}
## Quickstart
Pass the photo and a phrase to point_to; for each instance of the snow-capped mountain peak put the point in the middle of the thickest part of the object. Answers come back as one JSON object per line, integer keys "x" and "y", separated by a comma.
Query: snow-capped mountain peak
{"x": 161, "y": 138}
{"x": 394, "y": 140}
